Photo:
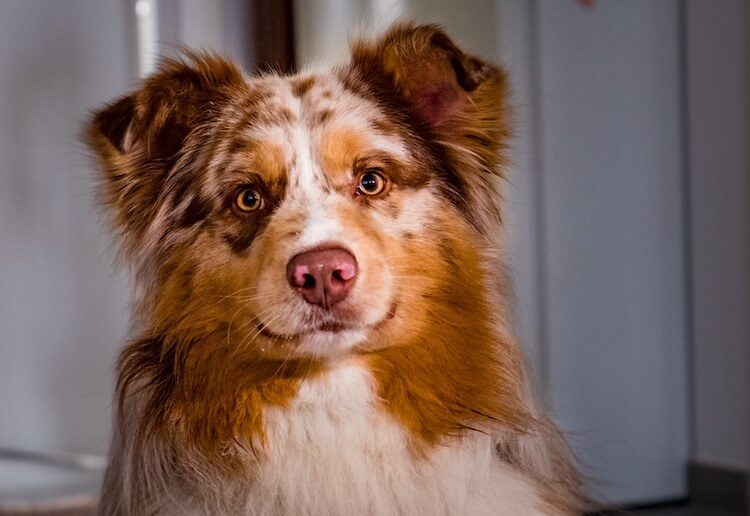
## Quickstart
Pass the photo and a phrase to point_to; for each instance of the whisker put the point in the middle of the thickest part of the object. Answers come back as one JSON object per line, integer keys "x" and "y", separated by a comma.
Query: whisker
{"x": 283, "y": 362}
{"x": 229, "y": 327}
{"x": 260, "y": 330}
{"x": 222, "y": 298}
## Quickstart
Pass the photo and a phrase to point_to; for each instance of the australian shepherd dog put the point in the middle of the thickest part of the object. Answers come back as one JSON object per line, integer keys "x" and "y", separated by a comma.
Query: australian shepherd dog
{"x": 321, "y": 318}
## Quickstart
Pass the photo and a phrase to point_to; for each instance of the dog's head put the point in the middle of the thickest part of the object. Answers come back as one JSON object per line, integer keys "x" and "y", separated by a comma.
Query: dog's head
{"x": 312, "y": 214}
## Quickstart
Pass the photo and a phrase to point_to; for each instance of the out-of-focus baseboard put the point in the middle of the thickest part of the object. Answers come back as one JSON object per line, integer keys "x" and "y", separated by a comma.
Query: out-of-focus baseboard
{"x": 718, "y": 486}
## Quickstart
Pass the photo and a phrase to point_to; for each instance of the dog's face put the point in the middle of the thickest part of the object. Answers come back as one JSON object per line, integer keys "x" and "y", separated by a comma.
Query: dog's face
{"x": 308, "y": 215}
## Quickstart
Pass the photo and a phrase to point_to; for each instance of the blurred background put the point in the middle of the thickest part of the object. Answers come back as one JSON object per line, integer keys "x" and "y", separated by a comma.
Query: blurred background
{"x": 628, "y": 222}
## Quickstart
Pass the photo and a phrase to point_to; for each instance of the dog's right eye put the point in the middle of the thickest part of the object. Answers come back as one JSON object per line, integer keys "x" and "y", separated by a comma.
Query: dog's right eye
{"x": 248, "y": 199}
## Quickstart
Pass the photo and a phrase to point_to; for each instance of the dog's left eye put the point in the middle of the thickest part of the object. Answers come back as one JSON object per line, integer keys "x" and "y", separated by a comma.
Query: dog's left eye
{"x": 371, "y": 182}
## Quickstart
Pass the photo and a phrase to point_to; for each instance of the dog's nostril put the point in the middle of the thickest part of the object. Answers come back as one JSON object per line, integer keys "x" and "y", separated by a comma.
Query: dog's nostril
{"x": 309, "y": 281}
{"x": 322, "y": 277}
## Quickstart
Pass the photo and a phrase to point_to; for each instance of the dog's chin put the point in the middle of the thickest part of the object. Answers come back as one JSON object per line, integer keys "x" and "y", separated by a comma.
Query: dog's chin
{"x": 330, "y": 343}
{"x": 325, "y": 340}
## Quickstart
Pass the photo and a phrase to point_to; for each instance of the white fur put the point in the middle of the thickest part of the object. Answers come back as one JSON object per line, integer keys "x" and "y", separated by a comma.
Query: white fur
{"x": 329, "y": 343}
{"x": 333, "y": 451}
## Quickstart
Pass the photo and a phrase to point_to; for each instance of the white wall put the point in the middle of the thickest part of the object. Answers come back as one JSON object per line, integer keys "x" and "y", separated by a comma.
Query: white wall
{"x": 612, "y": 208}
{"x": 62, "y": 310}
{"x": 720, "y": 229}
{"x": 225, "y": 26}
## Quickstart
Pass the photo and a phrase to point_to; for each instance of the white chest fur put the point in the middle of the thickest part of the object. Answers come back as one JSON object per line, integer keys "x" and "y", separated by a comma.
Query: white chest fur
{"x": 334, "y": 452}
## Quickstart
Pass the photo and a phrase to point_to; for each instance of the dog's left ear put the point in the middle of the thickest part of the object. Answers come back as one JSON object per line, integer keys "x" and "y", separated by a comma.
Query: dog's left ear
{"x": 460, "y": 101}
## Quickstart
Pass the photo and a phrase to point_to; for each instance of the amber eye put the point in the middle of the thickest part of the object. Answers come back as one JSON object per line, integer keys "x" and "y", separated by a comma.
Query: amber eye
{"x": 248, "y": 199}
{"x": 371, "y": 182}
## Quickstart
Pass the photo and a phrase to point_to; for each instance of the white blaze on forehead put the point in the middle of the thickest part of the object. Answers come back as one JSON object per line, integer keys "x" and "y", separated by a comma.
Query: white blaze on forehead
{"x": 321, "y": 226}
{"x": 308, "y": 190}
{"x": 306, "y": 177}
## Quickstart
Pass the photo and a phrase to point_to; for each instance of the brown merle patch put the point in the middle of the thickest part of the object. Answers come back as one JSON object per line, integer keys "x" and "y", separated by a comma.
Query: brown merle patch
{"x": 301, "y": 85}
{"x": 322, "y": 116}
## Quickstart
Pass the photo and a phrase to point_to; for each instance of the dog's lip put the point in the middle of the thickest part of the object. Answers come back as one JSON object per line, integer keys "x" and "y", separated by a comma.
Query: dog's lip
{"x": 331, "y": 327}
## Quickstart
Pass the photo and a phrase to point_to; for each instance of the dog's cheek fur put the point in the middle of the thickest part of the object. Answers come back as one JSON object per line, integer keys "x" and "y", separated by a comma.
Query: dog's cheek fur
{"x": 202, "y": 363}
{"x": 435, "y": 381}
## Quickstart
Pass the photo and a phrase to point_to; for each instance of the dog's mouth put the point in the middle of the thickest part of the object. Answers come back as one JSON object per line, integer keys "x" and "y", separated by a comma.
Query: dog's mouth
{"x": 331, "y": 327}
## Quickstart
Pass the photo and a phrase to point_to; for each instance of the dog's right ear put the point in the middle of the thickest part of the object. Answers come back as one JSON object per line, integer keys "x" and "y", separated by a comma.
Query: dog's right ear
{"x": 139, "y": 137}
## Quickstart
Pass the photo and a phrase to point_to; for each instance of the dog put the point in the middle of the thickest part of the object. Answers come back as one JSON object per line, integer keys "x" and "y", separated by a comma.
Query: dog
{"x": 321, "y": 313}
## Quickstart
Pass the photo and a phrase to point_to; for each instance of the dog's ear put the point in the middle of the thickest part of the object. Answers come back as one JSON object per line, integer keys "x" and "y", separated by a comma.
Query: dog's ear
{"x": 460, "y": 101}
{"x": 139, "y": 137}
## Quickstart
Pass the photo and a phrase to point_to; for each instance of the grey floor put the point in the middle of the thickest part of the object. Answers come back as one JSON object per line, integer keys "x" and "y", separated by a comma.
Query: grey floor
{"x": 36, "y": 488}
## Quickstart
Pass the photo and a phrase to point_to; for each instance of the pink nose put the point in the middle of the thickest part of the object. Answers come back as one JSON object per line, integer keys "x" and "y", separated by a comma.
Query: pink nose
{"x": 322, "y": 277}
